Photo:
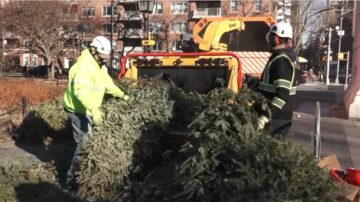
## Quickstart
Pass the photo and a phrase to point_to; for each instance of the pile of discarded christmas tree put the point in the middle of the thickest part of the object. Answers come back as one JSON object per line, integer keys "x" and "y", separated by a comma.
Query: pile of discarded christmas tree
{"x": 223, "y": 157}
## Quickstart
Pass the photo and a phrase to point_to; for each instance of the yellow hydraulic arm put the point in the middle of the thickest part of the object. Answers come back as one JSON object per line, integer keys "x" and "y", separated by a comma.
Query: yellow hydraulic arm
{"x": 208, "y": 31}
{"x": 215, "y": 30}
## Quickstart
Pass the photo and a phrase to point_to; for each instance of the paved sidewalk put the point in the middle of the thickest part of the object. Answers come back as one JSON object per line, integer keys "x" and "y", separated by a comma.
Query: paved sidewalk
{"x": 338, "y": 136}
{"x": 321, "y": 86}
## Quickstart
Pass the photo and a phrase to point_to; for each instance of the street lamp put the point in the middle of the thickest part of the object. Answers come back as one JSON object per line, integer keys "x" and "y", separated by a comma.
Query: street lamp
{"x": 340, "y": 34}
{"x": 80, "y": 29}
{"x": 111, "y": 34}
{"x": 4, "y": 42}
{"x": 327, "y": 81}
{"x": 146, "y": 7}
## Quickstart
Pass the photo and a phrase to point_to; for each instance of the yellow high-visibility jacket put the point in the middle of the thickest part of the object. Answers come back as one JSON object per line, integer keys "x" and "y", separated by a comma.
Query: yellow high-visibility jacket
{"x": 88, "y": 82}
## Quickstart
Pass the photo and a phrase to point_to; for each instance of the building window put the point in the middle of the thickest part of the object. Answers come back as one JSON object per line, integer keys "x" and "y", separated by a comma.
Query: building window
{"x": 106, "y": 29}
{"x": 89, "y": 11}
{"x": 34, "y": 61}
{"x": 155, "y": 27}
{"x": 178, "y": 27}
{"x": 26, "y": 60}
{"x": 234, "y": 5}
{"x": 158, "y": 45}
{"x": 257, "y": 6}
{"x": 176, "y": 45}
{"x": 158, "y": 9}
{"x": 335, "y": 2}
{"x": 179, "y": 8}
{"x": 107, "y": 11}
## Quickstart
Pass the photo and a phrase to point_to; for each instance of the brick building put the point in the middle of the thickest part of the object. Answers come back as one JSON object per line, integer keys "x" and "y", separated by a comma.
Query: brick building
{"x": 172, "y": 19}
{"x": 120, "y": 21}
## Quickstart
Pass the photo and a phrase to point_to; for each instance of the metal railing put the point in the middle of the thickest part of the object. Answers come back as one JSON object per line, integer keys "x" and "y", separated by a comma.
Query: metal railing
{"x": 131, "y": 33}
{"x": 21, "y": 108}
{"x": 11, "y": 74}
{"x": 317, "y": 136}
{"x": 130, "y": 15}
{"x": 205, "y": 12}
{"x": 8, "y": 116}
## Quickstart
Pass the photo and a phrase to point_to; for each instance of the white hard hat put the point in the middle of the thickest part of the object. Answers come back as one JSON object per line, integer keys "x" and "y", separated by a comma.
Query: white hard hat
{"x": 282, "y": 29}
{"x": 102, "y": 45}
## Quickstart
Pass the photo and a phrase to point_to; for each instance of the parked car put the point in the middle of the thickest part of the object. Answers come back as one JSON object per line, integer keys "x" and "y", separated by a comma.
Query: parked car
{"x": 342, "y": 78}
{"x": 38, "y": 71}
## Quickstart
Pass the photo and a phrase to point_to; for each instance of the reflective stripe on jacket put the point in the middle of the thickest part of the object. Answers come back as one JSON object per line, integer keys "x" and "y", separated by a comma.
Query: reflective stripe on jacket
{"x": 88, "y": 82}
{"x": 277, "y": 84}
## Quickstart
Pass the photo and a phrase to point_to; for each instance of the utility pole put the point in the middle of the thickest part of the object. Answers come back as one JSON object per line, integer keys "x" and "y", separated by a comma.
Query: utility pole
{"x": 3, "y": 51}
{"x": 340, "y": 34}
{"x": 347, "y": 70}
{"x": 328, "y": 58}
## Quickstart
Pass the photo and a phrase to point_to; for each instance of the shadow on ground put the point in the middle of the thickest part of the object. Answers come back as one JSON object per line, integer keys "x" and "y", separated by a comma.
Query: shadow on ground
{"x": 42, "y": 192}
{"x": 38, "y": 138}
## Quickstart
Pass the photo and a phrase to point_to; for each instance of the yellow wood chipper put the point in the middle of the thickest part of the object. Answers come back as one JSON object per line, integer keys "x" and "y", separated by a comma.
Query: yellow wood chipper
{"x": 221, "y": 49}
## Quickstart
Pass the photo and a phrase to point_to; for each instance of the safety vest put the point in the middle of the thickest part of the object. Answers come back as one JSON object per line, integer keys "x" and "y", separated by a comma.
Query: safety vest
{"x": 265, "y": 84}
{"x": 88, "y": 82}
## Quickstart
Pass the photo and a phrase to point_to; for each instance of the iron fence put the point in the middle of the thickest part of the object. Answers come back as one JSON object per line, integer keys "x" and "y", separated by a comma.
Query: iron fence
{"x": 8, "y": 115}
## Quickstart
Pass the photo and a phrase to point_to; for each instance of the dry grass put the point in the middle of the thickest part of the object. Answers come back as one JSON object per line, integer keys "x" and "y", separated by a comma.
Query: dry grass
{"x": 13, "y": 90}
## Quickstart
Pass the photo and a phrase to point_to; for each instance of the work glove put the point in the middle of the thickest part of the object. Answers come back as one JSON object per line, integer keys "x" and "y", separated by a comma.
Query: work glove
{"x": 262, "y": 109}
{"x": 121, "y": 95}
{"x": 97, "y": 116}
{"x": 262, "y": 121}
{"x": 126, "y": 98}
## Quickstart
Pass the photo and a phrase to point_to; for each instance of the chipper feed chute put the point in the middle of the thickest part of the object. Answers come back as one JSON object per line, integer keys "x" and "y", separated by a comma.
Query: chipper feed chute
{"x": 220, "y": 49}
{"x": 244, "y": 35}
{"x": 196, "y": 72}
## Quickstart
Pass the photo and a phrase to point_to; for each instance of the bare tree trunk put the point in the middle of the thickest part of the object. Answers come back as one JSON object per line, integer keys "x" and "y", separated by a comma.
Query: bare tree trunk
{"x": 51, "y": 73}
{"x": 51, "y": 67}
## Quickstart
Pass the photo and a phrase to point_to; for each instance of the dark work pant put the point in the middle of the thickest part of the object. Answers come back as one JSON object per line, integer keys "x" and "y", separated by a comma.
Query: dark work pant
{"x": 82, "y": 128}
{"x": 280, "y": 127}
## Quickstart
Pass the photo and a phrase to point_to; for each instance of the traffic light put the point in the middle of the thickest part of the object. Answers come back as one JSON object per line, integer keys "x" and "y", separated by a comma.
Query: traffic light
{"x": 148, "y": 42}
{"x": 342, "y": 56}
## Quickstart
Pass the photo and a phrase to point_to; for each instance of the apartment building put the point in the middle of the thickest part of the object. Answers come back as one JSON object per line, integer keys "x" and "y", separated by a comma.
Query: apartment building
{"x": 123, "y": 24}
{"x": 170, "y": 20}
{"x": 93, "y": 18}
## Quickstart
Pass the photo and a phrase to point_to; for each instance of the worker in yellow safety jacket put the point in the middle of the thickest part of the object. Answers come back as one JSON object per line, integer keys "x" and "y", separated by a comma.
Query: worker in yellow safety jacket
{"x": 277, "y": 82}
{"x": 88, "y": 82}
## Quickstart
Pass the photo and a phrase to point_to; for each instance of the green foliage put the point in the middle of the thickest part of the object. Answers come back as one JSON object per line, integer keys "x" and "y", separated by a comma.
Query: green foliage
{"x": 128, "y": 143}
{"x": 226, "y": 159}
{"x": 187, "y": 107}
{"x": 16, "y": 173}
{"x": 44, "y": 122}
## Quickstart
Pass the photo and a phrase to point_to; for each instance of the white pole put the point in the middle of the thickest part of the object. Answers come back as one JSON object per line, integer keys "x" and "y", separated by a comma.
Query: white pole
{"x": 347, "y": 70}
{"x": 3, "y": 52}
{"x": 317, "y": 136}
{"x": 340, "y": 36}
{"x": 328, "y": 58}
